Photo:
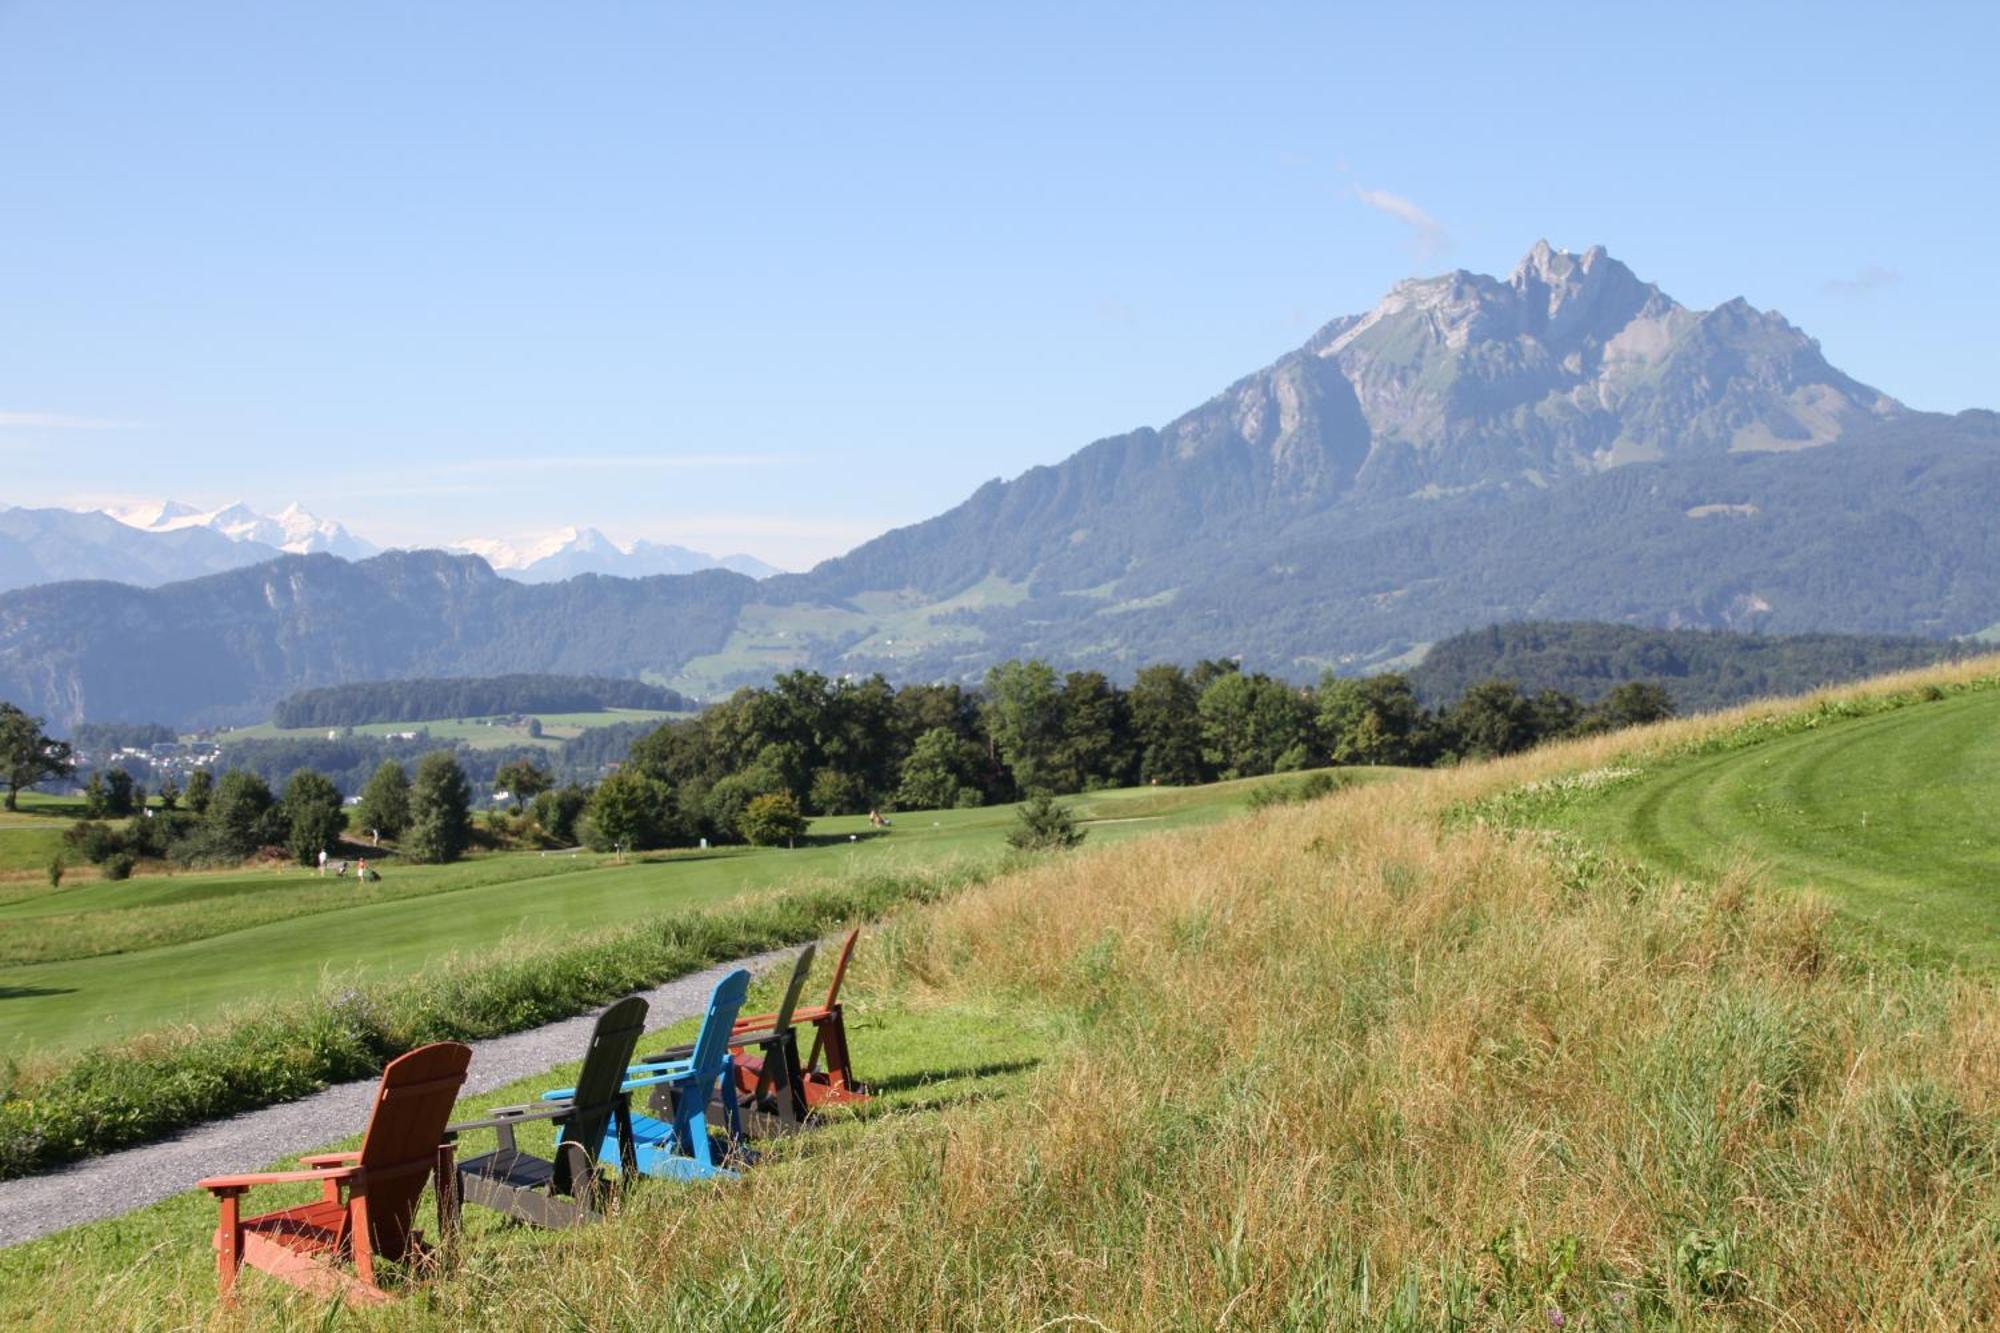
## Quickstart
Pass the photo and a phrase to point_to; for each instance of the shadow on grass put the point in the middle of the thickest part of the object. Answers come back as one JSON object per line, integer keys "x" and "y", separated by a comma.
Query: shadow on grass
{"x": 31, "y": 992}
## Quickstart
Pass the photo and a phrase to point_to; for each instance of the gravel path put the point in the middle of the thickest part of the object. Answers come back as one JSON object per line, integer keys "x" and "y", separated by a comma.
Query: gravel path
{"x": 120, "y": 1182}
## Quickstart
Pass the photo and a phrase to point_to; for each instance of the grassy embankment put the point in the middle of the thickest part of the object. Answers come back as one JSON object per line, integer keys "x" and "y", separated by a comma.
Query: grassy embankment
{"x": 239, "y": 990}
{"x": 1396, "y": 1059}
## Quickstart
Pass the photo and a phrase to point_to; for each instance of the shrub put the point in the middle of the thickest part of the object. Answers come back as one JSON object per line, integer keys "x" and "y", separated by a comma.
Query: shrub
{"x": 771, "y": 819}
{"x": 1043, "y": 825}
{"x": 120, "y": 866}
{"x": 55, "y": 872}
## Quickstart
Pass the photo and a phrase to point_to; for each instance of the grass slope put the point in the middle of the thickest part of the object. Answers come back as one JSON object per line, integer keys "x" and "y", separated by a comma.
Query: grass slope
{"x": 1362, "y": 1063}
{"x": 1895, "y": 818}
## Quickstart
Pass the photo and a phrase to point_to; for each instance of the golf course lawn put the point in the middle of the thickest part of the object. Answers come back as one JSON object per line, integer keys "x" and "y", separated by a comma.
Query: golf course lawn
{"x": 240, "y": 938}
{"x": 1895, "y": 818}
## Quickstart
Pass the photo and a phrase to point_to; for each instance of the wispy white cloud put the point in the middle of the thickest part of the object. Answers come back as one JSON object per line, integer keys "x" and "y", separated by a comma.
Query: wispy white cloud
{"x": 1430, "y": 234}
{"x": 59, "y": 421}
{"x": 1872, "y": 278}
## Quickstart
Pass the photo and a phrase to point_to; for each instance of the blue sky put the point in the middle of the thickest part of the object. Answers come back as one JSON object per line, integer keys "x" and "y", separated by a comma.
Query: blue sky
{"x": 776, "y": 278}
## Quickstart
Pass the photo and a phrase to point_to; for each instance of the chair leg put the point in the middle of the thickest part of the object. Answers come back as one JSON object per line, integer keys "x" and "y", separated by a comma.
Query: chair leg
{"x": 228, "y": 1247}
{"x": 449, "y": 1205}
{"x": 358, "y": 1238}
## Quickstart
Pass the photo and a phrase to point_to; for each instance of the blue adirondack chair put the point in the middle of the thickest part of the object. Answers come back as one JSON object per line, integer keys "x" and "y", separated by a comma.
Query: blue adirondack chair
{"x": 679, "y": 1146}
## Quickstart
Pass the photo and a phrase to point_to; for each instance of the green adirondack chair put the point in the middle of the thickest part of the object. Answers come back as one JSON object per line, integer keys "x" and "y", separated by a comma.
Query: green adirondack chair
{"x": 595, "y": 1120}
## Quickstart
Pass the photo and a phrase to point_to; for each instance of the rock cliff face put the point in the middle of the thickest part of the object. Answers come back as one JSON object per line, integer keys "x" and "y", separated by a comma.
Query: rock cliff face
{"x": 1455, "y": 385}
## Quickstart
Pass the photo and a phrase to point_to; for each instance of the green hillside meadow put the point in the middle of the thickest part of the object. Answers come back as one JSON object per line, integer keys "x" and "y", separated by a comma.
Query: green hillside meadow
{"x": 1648, "y": 1030}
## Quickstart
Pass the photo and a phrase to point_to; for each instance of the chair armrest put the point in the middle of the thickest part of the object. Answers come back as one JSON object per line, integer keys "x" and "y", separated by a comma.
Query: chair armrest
{"x": 320, "y": 1159}
{"x": 667, "y": 1074}
{"x": 237, "y": 1184}
{"x": 647, "y": 1073}
{"x": 672, "y": 1055}
{"x": 511, "y": 1115}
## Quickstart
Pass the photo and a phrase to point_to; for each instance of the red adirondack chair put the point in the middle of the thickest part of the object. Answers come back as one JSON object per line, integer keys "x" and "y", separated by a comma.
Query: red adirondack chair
{"x": 370, "y": 1198}
{"x": 836, "y": 1082}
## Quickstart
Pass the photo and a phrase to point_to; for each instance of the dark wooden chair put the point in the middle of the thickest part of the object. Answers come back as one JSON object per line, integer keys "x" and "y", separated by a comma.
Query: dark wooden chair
{"x": 770, "y": 1085}
{"x": 571, "y": 1189}
{"x": 835, "y": 1082}
{"x": 370, "y": 1199}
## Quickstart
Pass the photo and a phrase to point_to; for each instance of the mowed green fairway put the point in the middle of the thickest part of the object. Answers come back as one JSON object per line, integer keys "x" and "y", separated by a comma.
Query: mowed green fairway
{"x": 238, "y": 939}
{"x": 1895, "y": 818}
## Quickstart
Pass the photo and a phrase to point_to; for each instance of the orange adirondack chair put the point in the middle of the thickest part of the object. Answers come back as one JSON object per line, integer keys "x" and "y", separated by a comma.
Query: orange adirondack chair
{"x": 836, "y": 1082}
{"x": 402, "y": 1149}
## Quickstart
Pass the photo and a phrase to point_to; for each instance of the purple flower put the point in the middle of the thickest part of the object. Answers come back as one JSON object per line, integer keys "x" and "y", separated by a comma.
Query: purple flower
{"x": 1556, "y": 1319}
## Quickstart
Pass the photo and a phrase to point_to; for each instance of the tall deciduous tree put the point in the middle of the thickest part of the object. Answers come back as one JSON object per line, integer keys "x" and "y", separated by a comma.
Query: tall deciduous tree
{"x": 385, "y": 801}
{"x": 313, "y": 816}
{"x": 28, "y": 755}
{"x": 1024, "y": 717}
{"x": 1370, "y": 720}
{"x": 240, "y": 815}
{"x": 1166, "y": 725}
{"x": 523, "y": 780}
{"x": 629, "y": 811}
{"x": 440, "y": 825}
{"x": 200, "y": 790}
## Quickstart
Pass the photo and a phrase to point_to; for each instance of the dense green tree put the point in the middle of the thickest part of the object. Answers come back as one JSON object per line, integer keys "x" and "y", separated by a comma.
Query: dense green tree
{"x": 170, "y": 794}
{"x": 557, "y": 811}
{"x": 1166, "y": 725}
{"x": 1370, "y": 719}
{"x": 1633, "y": 704}
{"x": 523, "y": 780}
{"x": 939, "y": 773}
{"x": 313, "y": 816}
{"x": 629, "y": 811}
{"x": 1556, "y": 715}
{"x": 121, "y": 795}
{"x": 837, "y": 793}
{"x": 771, "y": 819}
{"x": 1492, "y": 718}
{"x": 385, "y": 801}
{"x": 1252, "y": 725}
{"x": 200, "y": 790}
{"x": 242, "y": 815}
{"x": 28, "y": 755}
{"x": 440, "y": 826}
{"x": 1024, "y": 716}
{"x": 1094, "y": 748}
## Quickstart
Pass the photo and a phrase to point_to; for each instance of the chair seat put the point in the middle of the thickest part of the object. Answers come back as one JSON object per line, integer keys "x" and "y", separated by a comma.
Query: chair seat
{"x": 519, "y": 1170}
{"x": 313, "y": 1228}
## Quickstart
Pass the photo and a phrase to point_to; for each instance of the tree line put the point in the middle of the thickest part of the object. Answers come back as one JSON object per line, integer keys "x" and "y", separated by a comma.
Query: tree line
{"x": 431, "y": 700}
{"x": 757, "y": 765}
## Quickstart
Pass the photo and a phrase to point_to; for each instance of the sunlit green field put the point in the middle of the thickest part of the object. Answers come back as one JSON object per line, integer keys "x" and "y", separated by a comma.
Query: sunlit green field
{"x": 1895, "y": 818}
{"x": 481, "y": 733}
{"x": 100, "y": 960}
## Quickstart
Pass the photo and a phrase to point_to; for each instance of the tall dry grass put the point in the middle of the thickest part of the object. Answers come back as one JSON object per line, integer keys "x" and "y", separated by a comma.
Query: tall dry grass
{"x": 1357, "y": 1064}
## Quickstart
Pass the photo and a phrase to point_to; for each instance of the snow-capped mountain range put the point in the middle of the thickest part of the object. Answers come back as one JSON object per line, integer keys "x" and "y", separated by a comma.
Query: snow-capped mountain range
{"x": 292, "y": 529}
{"x": 570, "y": 551}
{"x": 163, "y": 541}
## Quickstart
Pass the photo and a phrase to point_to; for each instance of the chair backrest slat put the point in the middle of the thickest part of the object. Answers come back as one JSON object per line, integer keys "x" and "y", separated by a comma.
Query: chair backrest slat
{"x": 840, "y": 967}
{"x": 612, "y": 1042}
{"x": 713, "y": 1042}
{"x": 800, "y": 970}
{"x": 412, "y": 1107}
